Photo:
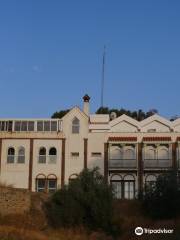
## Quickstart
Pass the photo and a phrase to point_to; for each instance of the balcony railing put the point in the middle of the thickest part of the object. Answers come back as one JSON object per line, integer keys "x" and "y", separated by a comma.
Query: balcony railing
{"x": 157, "y": 163}
{"x": 122, "y": 163}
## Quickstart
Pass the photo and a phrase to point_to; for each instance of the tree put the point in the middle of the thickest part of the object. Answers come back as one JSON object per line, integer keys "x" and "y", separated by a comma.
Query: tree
{"x": 161, "y": 199}
{"x": 87, "y": 200}
{"x": 60, "y": 114}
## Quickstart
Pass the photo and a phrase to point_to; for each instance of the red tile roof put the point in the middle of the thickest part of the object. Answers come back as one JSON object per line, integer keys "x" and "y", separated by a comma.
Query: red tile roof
{"x": 156, "y": 139}
{"x": 123, "y": 139}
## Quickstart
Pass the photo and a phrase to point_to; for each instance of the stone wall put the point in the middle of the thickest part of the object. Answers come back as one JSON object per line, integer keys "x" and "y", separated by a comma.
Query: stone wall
{"x": 14, "y": 201}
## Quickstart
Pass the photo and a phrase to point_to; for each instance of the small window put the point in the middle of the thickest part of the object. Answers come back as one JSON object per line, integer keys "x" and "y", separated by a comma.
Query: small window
{"x": 47, "y": 126}
{"x": 40, "y": 126}
{"x": 40, "y": 185}
{"x": 24, "y": 126}
{"x": 75, "y": 125}
{"x": 42, "y": 155}
{"x": 52, "y": 185}
{"x": 30, "y": 126}
{"x": 75, "y": 154}
{"x": 151, "y": 130}
{"x": 53, "y": 126}
{"x": 21, "y": 155}
{"x": 17, "y": 126}
{"x": 11, "y": 155}
{"x": 52, "y": 155}
{"x": 10, "y": 126}
{"x": 96, "y": 154}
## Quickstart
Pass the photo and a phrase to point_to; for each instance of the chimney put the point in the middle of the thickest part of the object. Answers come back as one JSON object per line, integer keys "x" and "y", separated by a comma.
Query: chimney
{"x": 86, "y": 99}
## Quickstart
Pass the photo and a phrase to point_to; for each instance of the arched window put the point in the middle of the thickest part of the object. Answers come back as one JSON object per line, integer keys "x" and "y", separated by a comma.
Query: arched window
{"x": 150, "y": 153}
{"x": 150, "y": 180}
{"x": 116, "y": 183}
{"x": 72, "y": 177}
{"x": 115, "y": 156}
{"x": 52, "y": 155}
{"x": 11, "y": 155}
{"x": 75, "y": 125}
{"x": 163, "y": 153}
{"x": 42, "y": 155}
{"x": 21, "y": 155}
{"x": 129, "y": 187}
{"x": 41, "y": 183}
{"x": 129, "y": 154}
{"x": 51, "y": 183}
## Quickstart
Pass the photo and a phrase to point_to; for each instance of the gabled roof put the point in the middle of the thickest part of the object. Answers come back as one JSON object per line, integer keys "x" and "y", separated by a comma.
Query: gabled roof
{"x": 73, "y": 110}
{"x": 175, "y": 122}
{"x": 125, "y": 118}
{"x": 157, "y": 118}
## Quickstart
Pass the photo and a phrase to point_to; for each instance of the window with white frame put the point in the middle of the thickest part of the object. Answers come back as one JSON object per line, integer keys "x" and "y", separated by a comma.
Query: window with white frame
{"x": 11, "y": 155}
{"x": 51, "y": 185}
{"x": 75, "y": 125}
{"x": 41, "y": 185}
{"x": 42, "y": 155}
{"x": 21, "y": 155}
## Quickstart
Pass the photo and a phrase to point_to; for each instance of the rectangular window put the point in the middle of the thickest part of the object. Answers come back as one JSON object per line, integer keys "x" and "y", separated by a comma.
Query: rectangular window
{"x": 129, "y": 189}
{"x": 96, "y": 154}
{"x": 53, "y": 126}
{"x": 21, "y": 159}
{"x": 117, "y": 188}
{"x": 10, "y": 158}
{"x": 46, "y": 125}
{"x": 75, "y": 154}
{"x": 42, "y": 158}
{"x": 52, "y": 185}
{"x": 30, "y": 126}
{"x": 40, "y": 185}
{"x": 75, "y": 129}
{"x": 10, "y": 125}
{"x": 24, "y": 126}
{"x": 40, "y": 126}
{"x": 17, "y": 126}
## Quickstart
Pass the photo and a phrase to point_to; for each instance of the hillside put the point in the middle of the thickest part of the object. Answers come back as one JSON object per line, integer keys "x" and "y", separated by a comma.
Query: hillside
{"x": 33, "y": 224}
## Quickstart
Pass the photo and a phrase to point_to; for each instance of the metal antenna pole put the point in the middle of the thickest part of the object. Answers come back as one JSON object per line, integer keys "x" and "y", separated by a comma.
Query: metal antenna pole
{"x": 102, "y": 80}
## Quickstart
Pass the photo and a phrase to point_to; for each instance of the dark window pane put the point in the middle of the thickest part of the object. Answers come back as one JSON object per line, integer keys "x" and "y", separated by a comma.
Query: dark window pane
{"x": 52, "y": 151}
{"x": 10, "y": 124}
{"x": 53, "y": 126}
{"x": 30, "y": 126}
{"x": 46, "y": 125}
{"x": 24, "y": 126}
{"x": 40, "y": 126}
{"x": 17, "y": 126}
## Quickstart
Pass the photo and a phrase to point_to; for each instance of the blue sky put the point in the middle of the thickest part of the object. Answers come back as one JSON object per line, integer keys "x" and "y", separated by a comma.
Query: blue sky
{"x": 51, "y": 54}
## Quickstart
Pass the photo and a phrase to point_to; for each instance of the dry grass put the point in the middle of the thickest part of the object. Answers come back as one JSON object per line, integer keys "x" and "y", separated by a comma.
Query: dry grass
{"x": 127, "y": 215}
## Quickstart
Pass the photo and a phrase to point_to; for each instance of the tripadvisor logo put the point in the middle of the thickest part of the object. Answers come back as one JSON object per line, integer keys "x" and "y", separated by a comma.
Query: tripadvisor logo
{"x": 139, "y": 231}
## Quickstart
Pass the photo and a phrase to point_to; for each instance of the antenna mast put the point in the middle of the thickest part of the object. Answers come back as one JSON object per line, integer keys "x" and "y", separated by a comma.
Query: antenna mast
{"x": 102, "y": 80}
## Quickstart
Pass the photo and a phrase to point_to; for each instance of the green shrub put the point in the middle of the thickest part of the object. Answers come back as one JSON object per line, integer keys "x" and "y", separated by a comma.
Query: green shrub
{"x": 161, "y": 200}
{"x": 87, "y": 201}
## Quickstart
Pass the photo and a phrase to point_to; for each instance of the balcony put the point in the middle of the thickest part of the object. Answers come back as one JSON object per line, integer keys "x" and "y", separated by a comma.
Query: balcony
{"x": 122, "y": 163}
{"x": 157, "y": 163}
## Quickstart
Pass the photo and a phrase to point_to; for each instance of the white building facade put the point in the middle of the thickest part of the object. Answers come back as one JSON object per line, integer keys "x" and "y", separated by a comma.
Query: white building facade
{"x": 45, "y": 154}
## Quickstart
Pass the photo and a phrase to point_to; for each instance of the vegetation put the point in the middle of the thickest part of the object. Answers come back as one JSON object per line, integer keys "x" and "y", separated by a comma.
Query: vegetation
{"x": 161, "y": 199}
{"x": 60, "y": 114}
{"x": 138, "y": 115}
{"x": 87, "y": 201}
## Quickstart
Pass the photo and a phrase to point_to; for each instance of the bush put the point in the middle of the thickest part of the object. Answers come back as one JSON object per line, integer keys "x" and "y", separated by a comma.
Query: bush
{"x": 161, "y": 200}
{"x": 87, "y": 201}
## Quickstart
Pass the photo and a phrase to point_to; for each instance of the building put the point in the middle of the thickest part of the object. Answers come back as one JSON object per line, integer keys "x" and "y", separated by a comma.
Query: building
{"x": 44, "y": 154}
